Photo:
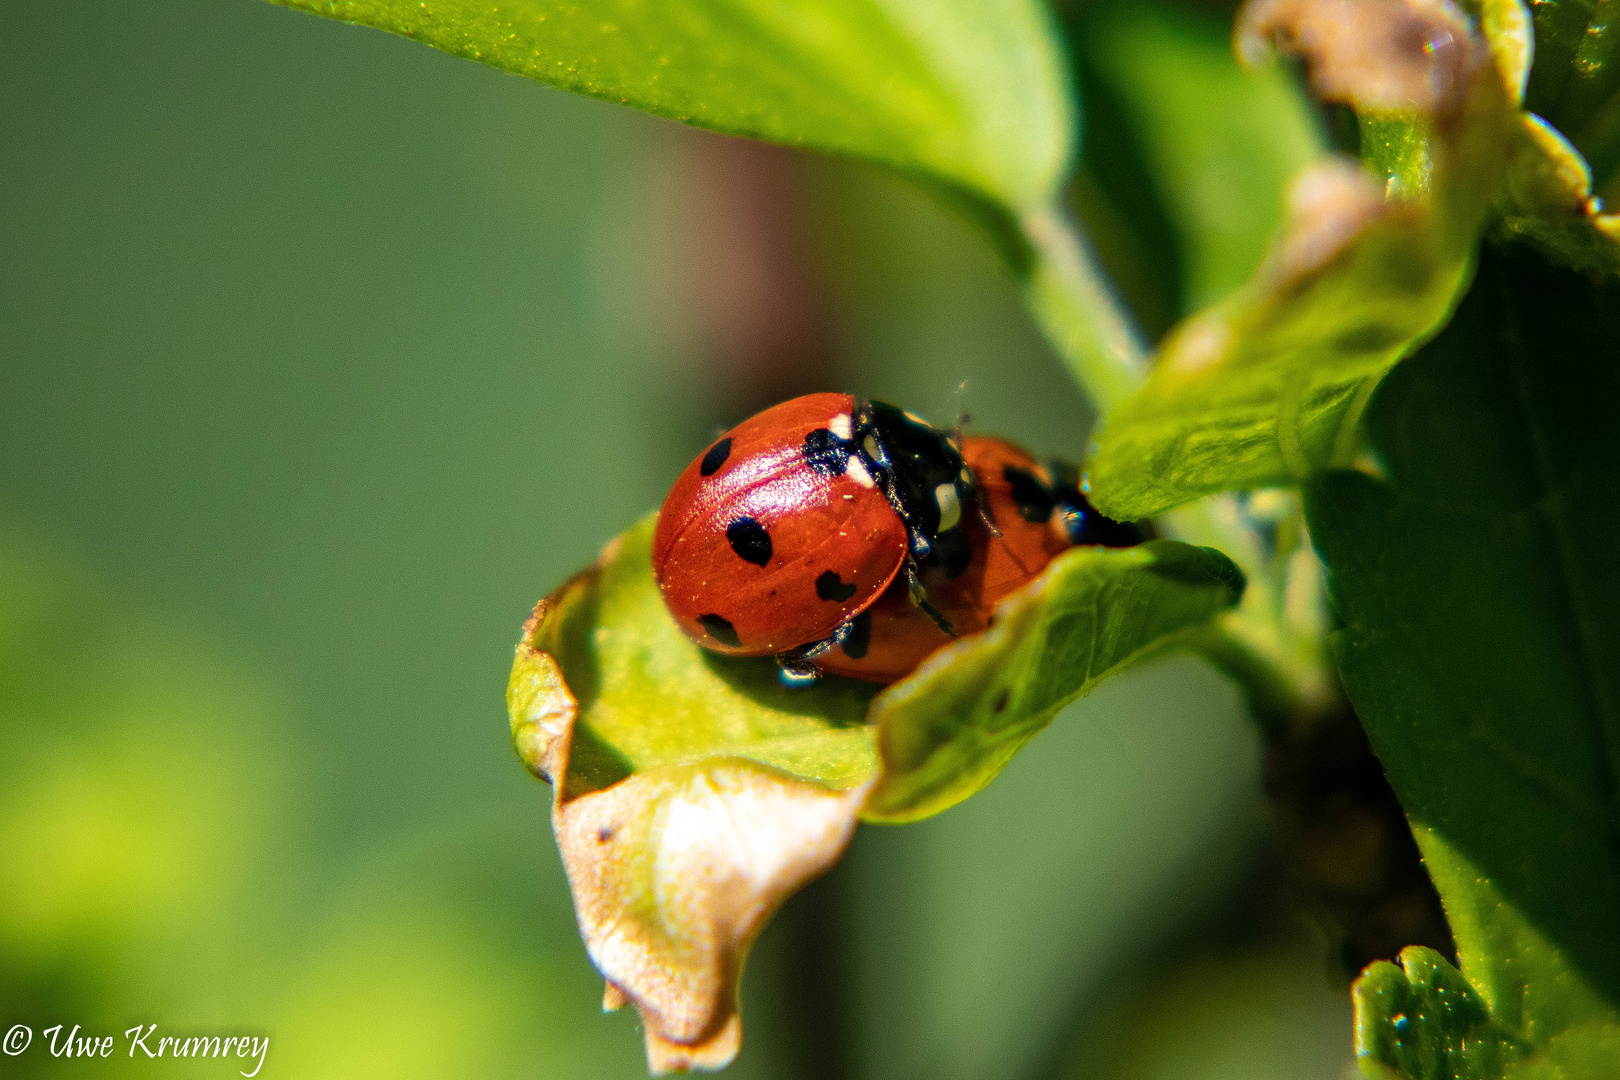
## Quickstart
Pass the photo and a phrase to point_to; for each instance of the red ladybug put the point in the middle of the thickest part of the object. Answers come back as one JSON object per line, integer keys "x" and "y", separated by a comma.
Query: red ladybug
{"x": 1038, "y": 512}
{"x": 798, "y": 519}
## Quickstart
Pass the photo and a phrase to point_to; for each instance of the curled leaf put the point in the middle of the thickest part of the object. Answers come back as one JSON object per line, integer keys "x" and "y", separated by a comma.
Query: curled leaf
{"x": 692, "y": 793}
{"x": 945, "y": 732}
{"x": 1384, "y": 55}
{"x": 1548, "y": 200}
{"x": 1266, "y": 387}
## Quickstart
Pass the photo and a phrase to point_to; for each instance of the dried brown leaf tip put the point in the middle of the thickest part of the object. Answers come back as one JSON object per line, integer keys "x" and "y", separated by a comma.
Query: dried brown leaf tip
{"x": 1329, "y": 204}
{"x": 1380, "y": 55}
{"x": 1419, "y": 62}
{"x": 682, "y": 824}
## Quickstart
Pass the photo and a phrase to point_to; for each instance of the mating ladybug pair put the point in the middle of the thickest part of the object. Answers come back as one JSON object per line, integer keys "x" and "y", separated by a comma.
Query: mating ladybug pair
{"x": 854, "y": 538}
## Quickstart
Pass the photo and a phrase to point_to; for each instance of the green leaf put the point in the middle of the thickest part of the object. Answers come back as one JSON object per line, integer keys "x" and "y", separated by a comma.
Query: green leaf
{"x": 946, "y": 731}
{"x": 1265, "y": 388}
{"x": 1422, "y": 1021}
{"x": 693, "y": 793}
{"x": 1481, "y": 640}
{"x": 1548, "y": 201}
{"x": 1589, "y": 1052}
{"x": 1575, "y": 80}
{"x": 969, "y": 93}
{"x": 648, "y": 697}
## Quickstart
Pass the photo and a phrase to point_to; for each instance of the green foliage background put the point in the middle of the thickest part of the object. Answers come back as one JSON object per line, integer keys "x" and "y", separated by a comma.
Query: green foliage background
{"x": 323, "y": 355}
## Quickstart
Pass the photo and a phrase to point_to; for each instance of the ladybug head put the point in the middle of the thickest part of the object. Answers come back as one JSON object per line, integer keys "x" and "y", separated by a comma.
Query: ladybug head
{"x": 921, "y": 472}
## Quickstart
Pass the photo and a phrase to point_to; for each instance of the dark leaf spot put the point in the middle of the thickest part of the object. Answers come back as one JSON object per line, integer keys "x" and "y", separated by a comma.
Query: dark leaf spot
{"x": 1001, "y": 701}
{"x": 604, "y": 834}
{"x": 829, "y": 586}
{"x": 749, "y": 540}
{"x": 719, "y": 629}
{"x": 825, "y": 452}
{"x": 716, "y": 457}
{"x": 860, "y": 636}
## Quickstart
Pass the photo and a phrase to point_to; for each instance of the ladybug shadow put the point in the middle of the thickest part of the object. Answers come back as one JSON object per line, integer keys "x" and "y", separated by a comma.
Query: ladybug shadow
{"x": 836, "y": 701}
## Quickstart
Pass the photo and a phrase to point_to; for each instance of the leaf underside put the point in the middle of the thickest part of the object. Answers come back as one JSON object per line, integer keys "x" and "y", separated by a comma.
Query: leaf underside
{"x": 967, "y": 93}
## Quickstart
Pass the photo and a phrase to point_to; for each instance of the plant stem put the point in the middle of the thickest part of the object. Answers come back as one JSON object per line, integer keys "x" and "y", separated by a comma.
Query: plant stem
{"x": 1079, "y": 310}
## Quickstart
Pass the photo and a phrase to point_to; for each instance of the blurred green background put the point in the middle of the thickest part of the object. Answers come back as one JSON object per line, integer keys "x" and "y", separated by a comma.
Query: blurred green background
{"x": 323, "y": 356}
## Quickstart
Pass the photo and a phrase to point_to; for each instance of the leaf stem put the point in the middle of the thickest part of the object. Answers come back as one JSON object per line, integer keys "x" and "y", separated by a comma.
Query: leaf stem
{"x": 1079, "y": 310}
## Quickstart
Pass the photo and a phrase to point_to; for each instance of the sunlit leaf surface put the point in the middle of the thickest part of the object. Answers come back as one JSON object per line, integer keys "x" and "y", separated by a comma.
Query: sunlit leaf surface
{"x": 1265, "y": 387}
{"x": 966, "y": 92}
{"x": 948, "y": 730}
{"x": 1481, "y": 640}
{"x": 693, "y": 793}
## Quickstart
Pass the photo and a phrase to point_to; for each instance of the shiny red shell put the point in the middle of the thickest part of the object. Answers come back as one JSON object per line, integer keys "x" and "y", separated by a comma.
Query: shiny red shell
{"x": 899, "y": 636}
{"x": 758, "y": 552}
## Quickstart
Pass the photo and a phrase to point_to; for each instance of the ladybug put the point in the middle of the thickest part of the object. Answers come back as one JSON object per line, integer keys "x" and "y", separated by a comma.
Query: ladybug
{"x": 797, "y": 520}
{"x": 1032, "y": 514}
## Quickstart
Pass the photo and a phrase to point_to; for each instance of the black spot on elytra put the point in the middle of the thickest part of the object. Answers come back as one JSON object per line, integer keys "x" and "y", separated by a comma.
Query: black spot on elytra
{"x": 716, "y": 457}
{"x": 1001, "y": 701}
{"x": 749, "y": 540}
{"x": 829, "y": 586}
{"x": 1034, "y": 500}
{"x": 825, "y": 452}
{"x": 719, "y": 629}
{"x": 860, "y": 636}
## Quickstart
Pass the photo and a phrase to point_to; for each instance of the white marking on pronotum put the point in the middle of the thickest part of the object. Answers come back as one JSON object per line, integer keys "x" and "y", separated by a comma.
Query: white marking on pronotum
{"x": 840, "y": 426}
{"x": 856, "y": 470}
{"x": 950, "y": 507}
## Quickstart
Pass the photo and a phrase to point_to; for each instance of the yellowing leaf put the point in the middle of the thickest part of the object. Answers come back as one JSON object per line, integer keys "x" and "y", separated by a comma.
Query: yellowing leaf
{"x": 1266, "y": 387}
{"x": 692, "y": 793}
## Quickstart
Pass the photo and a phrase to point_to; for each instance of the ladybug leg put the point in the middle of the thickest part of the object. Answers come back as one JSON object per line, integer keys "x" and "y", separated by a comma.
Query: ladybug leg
{"x": 795, "y": 672}
{"x": 794, "y": 669}
{"x": 919, "y": 597}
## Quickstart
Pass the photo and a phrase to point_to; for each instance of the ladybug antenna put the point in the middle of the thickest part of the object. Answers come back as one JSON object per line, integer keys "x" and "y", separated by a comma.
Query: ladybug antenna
{"x": 919, "y": 597}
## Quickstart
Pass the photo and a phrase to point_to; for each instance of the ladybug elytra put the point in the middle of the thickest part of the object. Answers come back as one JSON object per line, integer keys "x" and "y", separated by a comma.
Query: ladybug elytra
{"x": 797, "y": 520}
